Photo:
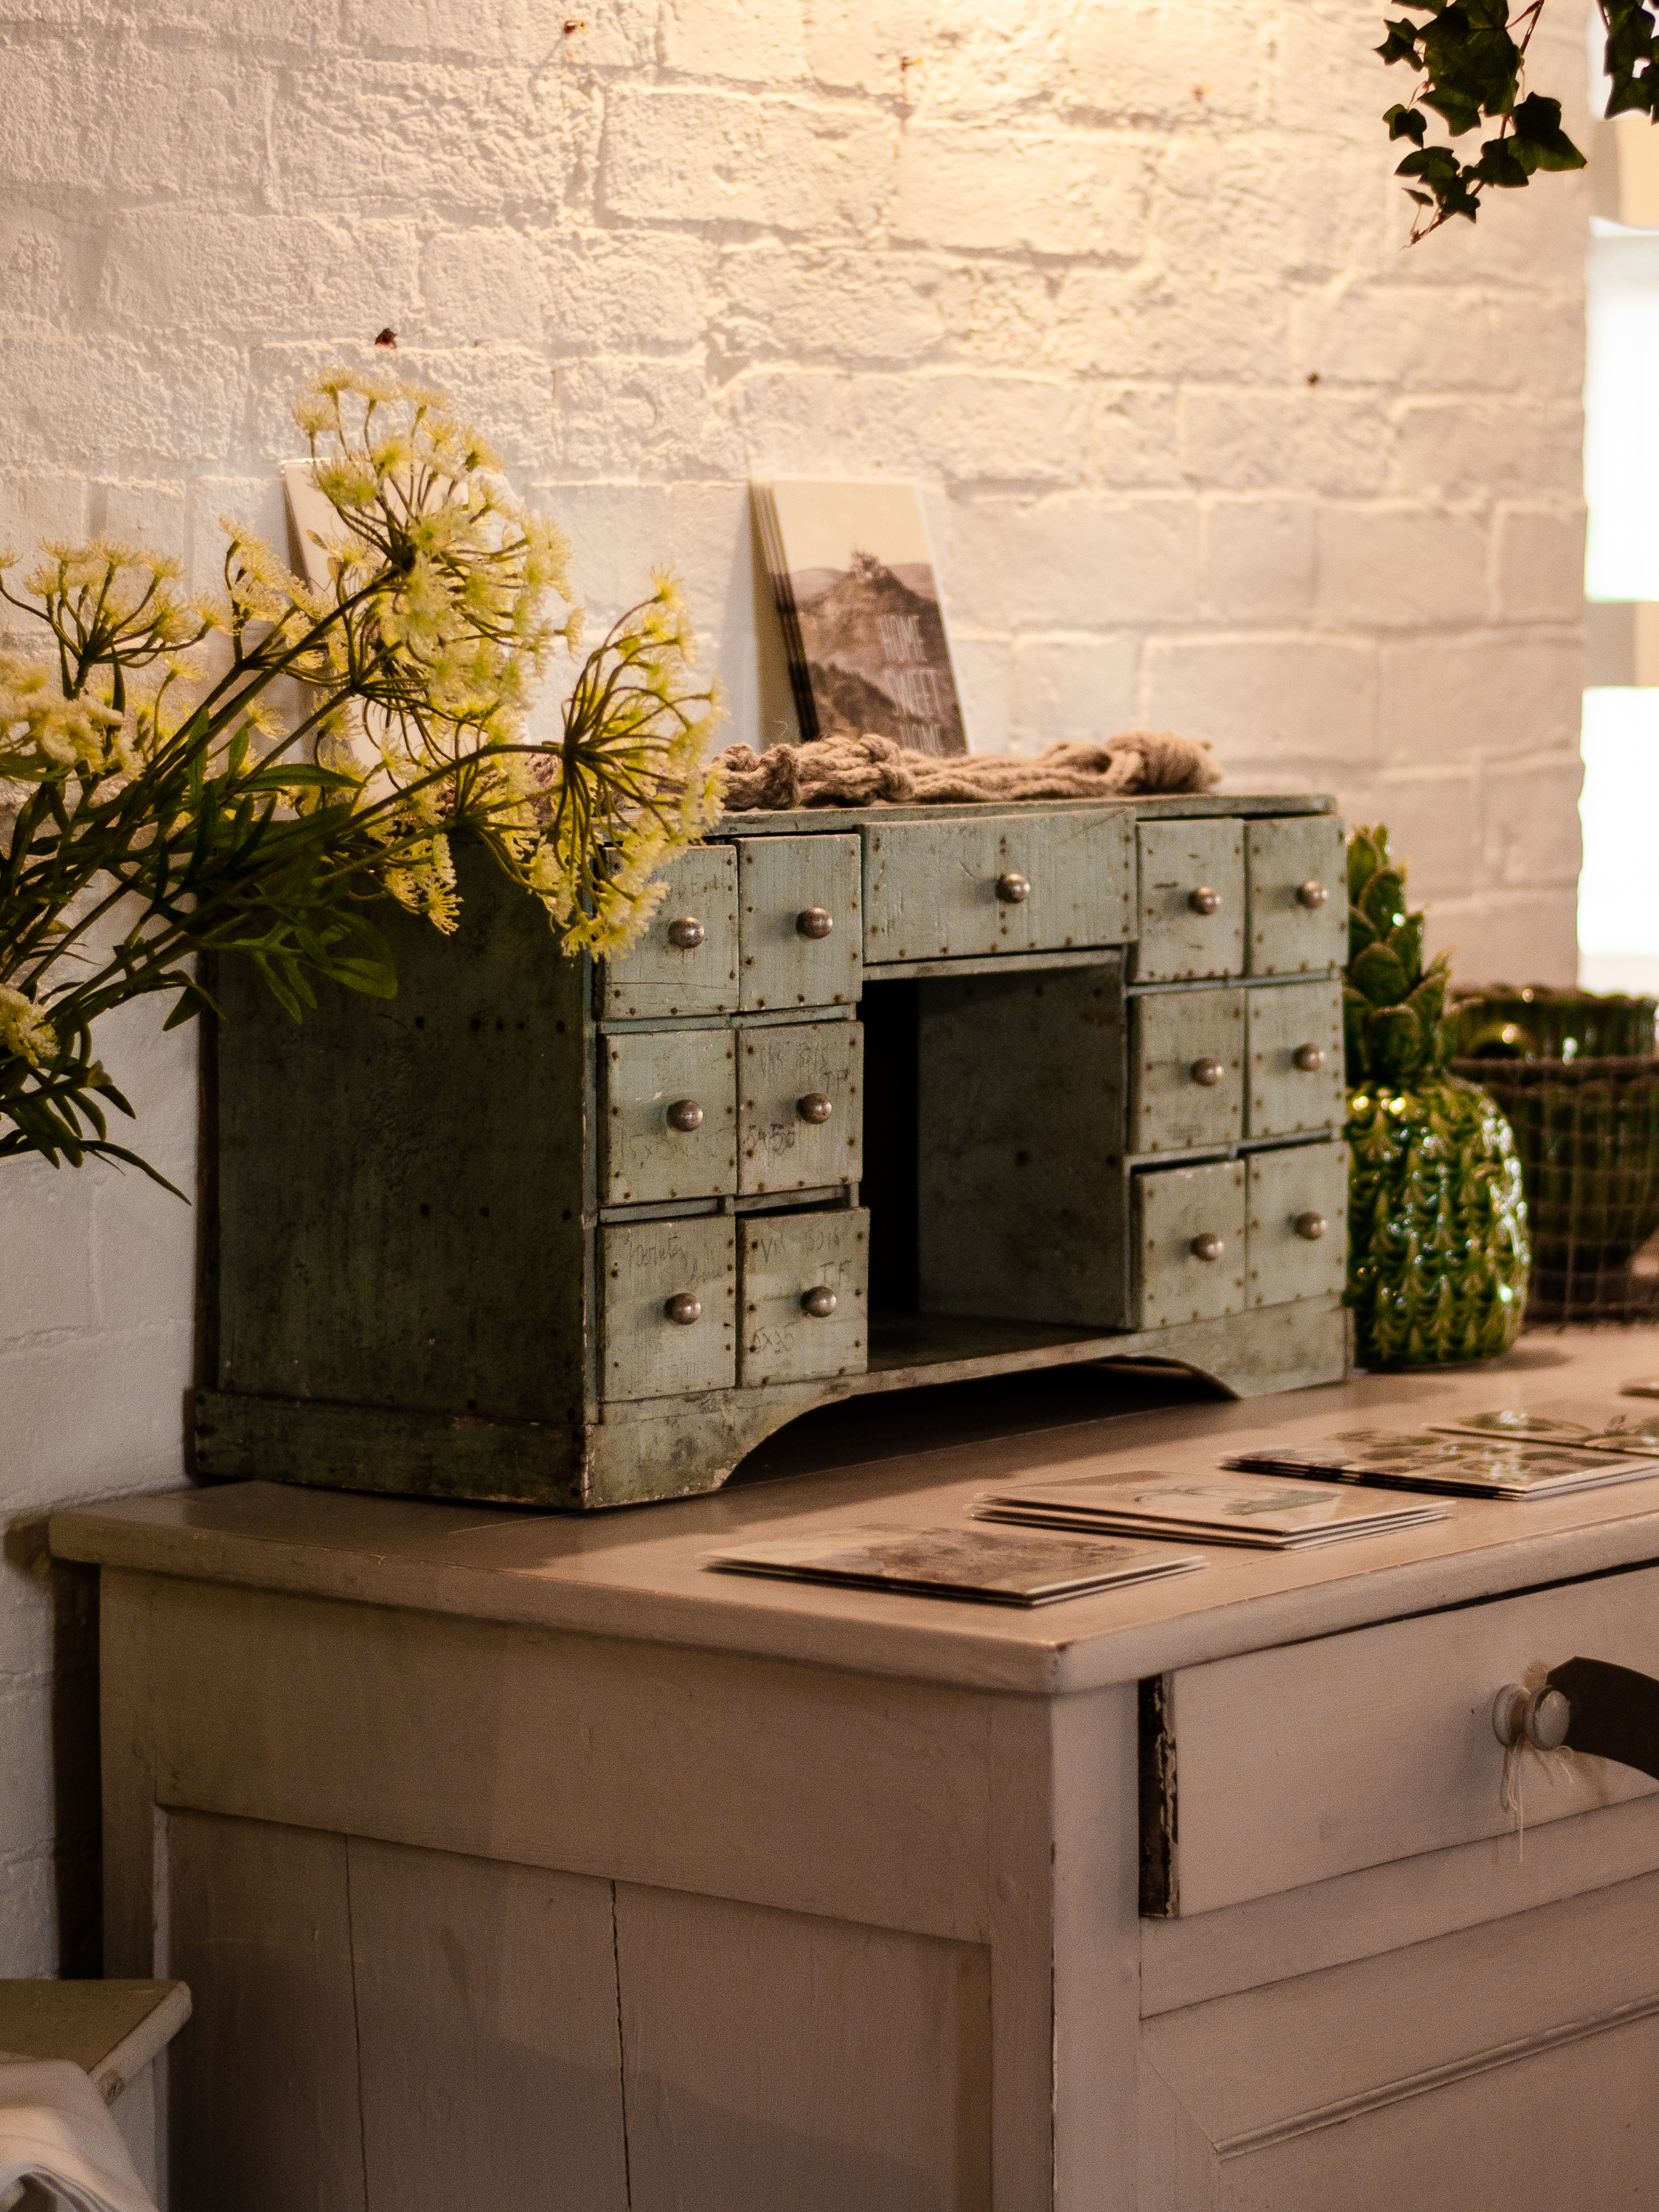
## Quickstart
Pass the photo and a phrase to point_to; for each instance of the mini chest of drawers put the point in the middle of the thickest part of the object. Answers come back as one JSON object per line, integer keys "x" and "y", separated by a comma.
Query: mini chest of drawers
{"x": 885, "y": 1096}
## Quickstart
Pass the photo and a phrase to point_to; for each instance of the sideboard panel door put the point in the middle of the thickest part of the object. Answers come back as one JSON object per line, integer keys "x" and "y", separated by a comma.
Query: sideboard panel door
{"x": 777, "y": 2059}
{"x": 666, "y": 973}
{"x": 648, "y": 1264}
{"x": 487, "y": 2019}
{"x": 790, "y": 888}
{"x": 264, "y": 2076}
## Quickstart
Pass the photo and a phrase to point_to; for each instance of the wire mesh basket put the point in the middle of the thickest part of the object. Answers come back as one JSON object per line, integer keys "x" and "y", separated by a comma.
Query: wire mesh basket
{"x": 1588, "y": 1134}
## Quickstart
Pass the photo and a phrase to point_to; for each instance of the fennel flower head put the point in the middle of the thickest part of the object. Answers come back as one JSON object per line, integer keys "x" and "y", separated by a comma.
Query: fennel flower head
{"x": 439, "y": 580}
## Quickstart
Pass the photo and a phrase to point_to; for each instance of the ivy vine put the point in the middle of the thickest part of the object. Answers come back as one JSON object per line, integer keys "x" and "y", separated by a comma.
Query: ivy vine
{"x": 1470, "y": 57}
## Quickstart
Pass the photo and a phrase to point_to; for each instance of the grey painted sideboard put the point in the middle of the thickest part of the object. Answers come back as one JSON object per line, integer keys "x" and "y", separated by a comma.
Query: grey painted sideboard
{"x": 518, "y": 1861}
{"x": 886, "y": 1096}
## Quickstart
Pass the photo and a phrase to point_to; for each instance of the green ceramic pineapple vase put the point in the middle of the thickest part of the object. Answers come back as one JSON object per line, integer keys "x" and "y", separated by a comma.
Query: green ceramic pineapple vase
{"x": 1438, "y": 1254}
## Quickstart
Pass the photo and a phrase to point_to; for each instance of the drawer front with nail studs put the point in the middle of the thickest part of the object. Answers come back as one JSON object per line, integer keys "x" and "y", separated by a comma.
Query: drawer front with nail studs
{"x": 687, "y": 962}
{"x": 1187, "y": 1071}
{"x": 669, "y": 1115}
{"x": 803, "y": 1281}
{"x": 800, "y": 926}
{"x": 800, "y": 1108}
{"x": 1192, "y": 900}
{"x": 670, "y": 1306}
{"x": 1296, "y": 1079}
{"x": 998, "y": 883}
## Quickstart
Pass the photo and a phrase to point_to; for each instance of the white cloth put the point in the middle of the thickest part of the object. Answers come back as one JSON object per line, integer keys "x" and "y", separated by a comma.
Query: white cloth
{"x": 56, "y": 2131}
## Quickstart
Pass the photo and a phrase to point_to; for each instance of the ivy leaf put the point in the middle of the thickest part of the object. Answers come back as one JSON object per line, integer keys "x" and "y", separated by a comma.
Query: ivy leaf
{"x": 1405, "y": 123}
{"x": 1401, "y": 45}
{"x": 1536, "y": 123}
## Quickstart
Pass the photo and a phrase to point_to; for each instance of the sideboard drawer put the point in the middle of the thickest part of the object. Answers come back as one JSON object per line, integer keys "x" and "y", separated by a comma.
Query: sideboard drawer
{"x": 1296, "y": 1059}
{"x": 1189, "y": 1241}
{"x": 1187, "y": 1070}
{"x": 1317, "y": 1758}
{"x": 687, "y": 961}
{"x": 1298, "y": 875}
{"x": 1296, "y": 1239}
{"x": 1192, "y": 900}
{"x": 669, "y": 1116}
{"x": 650, "y": 1266}
{"x": 801, "y": 1106}
{"x": 801, "y": 928}
{"x": 1035, "y": 882}
{"x": 791, "y": 1266}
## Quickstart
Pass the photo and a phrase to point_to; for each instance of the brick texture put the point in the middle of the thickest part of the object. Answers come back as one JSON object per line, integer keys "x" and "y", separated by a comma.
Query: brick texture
{"x": 1119, "y": 283}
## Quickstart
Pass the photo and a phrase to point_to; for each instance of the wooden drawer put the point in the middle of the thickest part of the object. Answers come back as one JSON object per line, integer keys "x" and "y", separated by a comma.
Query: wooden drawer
{"x": 1291, "y": 860}
{"x": 645, "y": 1157}
{"x": 1295, "y": 1059}
{"x": 1289, "y": 1192}
{"x": 1294, "y": 1764}
{"x": 1178, "y": 1102}
{"x": 801, "y": 1106}
{"x": 785, "y": 1259}
{"x": 1183, "y": 864}
{"x": 646, "y": 1266}
{"x": 939, "y": 890}
{"x": 661, "y": 978}
{"x": 787, "y": 886}
{"x": 1176, "y": 1209}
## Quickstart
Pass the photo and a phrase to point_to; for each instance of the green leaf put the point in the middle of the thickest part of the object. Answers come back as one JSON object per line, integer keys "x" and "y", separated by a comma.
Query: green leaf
{"x": 1394, "y": 1043}
{"x": 1383, "y": 903}
{"x": 1360, "y": 933}
{"x": 1368, "y": 851}
{"x": 1537, "y": 122}
{"x": 1405, "y": 942}
{"x": 1405, "y": 123}
{"x": 1401, "y": 44}
{"x": 1377, "y": 972}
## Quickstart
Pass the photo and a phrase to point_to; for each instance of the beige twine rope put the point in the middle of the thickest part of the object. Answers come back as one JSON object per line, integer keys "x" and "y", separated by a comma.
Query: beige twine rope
{"x": 873, "y": 771}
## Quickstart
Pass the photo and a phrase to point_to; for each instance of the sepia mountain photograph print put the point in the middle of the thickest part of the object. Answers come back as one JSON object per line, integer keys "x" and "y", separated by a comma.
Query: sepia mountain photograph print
{"x": 854, "y": 577}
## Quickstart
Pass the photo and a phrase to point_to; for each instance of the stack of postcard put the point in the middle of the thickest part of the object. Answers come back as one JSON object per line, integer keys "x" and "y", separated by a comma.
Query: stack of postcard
{"x": 997, "y": 1569}
{"x": 1454, "y": 1466}
{"x": 852, "y": 576}
{"x": 1583, "y": 1424}
{"x": 1258, "y": 1510}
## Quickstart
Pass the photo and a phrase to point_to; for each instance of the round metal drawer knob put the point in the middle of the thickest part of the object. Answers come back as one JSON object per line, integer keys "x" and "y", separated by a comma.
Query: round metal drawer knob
{"x": 814, "y": 922}
{"x": 1309, "y": 1058}
{"x": 819, "y": 1303}
{"x": 1204, "y": 900}
{"x": 1013, "y": 889}
{"x": 1206, "y": 1071}
{"x": 814, "y": 1107}
{"x": 1310, "y": 1225}
{"x": 1209, "y": 1246}
{"x": 684, "y": 1309}
{"x": 687, "y": 933}
{"x": 1311, "y": 894}
{"x": 1539, "y": 1717}
{"x": 685, "y": 1114}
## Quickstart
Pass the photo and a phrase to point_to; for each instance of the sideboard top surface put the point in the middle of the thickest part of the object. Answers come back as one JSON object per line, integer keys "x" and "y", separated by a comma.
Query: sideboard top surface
{"x": 1152, "y": 806}
{"x": 639, "y": 1573}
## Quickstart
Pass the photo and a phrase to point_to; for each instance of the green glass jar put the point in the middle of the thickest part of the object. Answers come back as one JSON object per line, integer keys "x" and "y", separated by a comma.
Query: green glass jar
{"x": 1535, "y": 1021}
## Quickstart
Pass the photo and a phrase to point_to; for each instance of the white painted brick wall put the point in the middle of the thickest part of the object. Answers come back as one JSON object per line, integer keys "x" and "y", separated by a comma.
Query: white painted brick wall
{"x": 1119, "y": 281}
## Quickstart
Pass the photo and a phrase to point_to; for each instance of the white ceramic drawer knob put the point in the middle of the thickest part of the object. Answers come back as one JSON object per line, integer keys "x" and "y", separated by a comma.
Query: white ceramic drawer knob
{"x": 1311, "y": 894}
{"x": 1309, "y": 1058}
{"x": 1013, "y": 889}
{"x": 684, "y": 1309}
{"x": 685, "y": 1114}
{"x": 1539, "y": 1717}
{"x": 687, "y": 933}
{"x": 815, "y": 1107}
{"x": 1204, "y": 900}
{"x": 1206, "y": 1071}
{"x": 819, "y": 1303}
{"x": 814, "y": 922}
{"x": 1209, "y": 1246}
{"x": 1310, "y": 1225}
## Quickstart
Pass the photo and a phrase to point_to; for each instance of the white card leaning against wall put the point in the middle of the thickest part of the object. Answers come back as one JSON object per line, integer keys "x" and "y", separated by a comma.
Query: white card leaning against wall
{"x": 310, "y": 517}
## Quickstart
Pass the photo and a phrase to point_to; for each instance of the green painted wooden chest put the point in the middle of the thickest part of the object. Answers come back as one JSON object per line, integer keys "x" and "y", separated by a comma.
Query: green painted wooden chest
{"x": 888, "y": 1096}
